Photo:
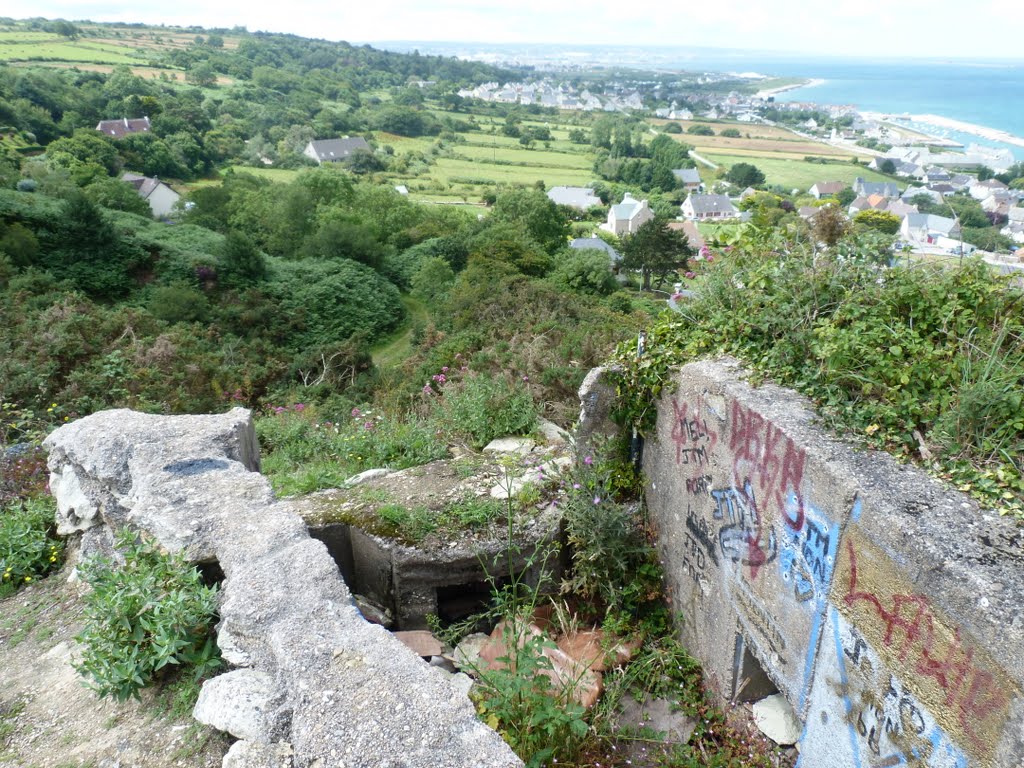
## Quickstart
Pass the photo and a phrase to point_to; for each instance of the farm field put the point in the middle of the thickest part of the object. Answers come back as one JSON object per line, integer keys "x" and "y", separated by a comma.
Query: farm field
{"x": 84, "y": 51}
{"x": 797, "y": 173}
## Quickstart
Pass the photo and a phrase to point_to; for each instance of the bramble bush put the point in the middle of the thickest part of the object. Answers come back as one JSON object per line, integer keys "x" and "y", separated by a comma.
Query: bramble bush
{"x": 143, "y": 619}
{"x": 29, "y": 547}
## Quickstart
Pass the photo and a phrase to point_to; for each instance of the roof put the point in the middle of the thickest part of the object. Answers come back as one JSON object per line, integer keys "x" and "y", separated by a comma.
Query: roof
{"x": 628, "y": 208}
{"x": 829, "y": 187}
{"x": 711, "y": 204}
{"x": 338, "y": 149}
{"x": 930, "y": 222}
{"x": 120, "y": 128}
{"x": 688, "y": 228}
{"x": 144, "y": 185}
{"x": 594, "y": 244}
{"x": 575, "y": 197}
{"x": 687, "y": 175}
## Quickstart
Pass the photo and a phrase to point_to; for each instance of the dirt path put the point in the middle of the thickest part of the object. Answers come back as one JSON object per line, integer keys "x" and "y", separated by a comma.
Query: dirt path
{"x": 48, "y": 719}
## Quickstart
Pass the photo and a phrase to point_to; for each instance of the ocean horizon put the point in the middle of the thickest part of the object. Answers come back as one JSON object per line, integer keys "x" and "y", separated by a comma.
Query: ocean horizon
{"x": 985, "y": 92}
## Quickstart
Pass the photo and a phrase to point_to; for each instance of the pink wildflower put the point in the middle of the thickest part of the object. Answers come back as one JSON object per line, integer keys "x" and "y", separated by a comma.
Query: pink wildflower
{"x": 300, "y": 406}
{"x": 356, "y": 413}
{"x": 588, "y": 460}
{"x": 690, "y": 275}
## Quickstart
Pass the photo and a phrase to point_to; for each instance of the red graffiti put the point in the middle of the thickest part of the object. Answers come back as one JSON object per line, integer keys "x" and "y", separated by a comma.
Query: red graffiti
{"x": 693, "y": 438}
{"x": 774, "y": 461}
{"x": 910, "y": 628}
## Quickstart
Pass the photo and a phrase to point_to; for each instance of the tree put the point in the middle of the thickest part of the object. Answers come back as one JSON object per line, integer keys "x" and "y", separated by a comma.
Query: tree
{"x": 883, "y": 221}
{"x": 432, "y": 280}
{"x": 202, "y": 74}
{"x": 744, "y": 175}
{"x": 242, "y": 264}
{"x": 729, "y": 133}
{"x": 585, "y": 271}
{"x": 829, "y": 225}
{"x": 700, "y": 129}
{"x": 655, "y": 250}
{"x": 887, "y": 166}
{"x": 845, "y": 196}
{"x": 117, "y": 195}
{"x": 531, "y": 209}
{"x": 673, "y": 128}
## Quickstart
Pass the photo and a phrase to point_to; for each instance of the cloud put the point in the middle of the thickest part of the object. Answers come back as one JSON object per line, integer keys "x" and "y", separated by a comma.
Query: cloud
{"x": 921, "y": 27}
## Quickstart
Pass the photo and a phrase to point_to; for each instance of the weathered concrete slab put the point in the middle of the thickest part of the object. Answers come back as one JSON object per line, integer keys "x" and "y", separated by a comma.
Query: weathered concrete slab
{"x": 886, "y": 607}
{"x": 320, "y": 686}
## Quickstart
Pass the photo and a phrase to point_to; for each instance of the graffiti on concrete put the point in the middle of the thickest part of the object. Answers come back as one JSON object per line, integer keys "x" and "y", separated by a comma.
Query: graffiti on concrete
{"x": 744, "y": 538}
{"x": 938, "y": 661}
{"x": 862, "y": 715}
{"x": 693, "y": 438}
{"x": 701, "y": 532}
{"x": 761, "y": 620}
{"x": 771, "y": 460}
{"x": 700, "y": 485}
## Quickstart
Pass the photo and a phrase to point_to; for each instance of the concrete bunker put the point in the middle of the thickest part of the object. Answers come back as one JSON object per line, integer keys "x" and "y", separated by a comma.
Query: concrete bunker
{"x": 310, "y": 682}
{"x": 882, "y": 604}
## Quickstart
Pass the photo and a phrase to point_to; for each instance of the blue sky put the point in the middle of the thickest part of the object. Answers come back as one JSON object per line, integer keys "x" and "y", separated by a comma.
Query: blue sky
{"x": 932, "y": 28}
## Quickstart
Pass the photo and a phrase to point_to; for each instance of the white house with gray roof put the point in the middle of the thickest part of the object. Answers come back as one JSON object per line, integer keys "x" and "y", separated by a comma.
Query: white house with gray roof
{"x": 335, "y": 150}
{"x": 581, "y": 198}
{"x": 868, "y": 188}
{"x": 161, "y": 198}
{"x": 928, "y": 228}
{"x": 627, "y": 217}
{"x": 689, "y": 178}
{"x": 703, "y": 207}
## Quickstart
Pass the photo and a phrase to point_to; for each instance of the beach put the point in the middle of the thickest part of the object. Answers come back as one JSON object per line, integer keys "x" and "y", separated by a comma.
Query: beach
{"x": 768, "y": 92}
{"x": 992, "y": 134}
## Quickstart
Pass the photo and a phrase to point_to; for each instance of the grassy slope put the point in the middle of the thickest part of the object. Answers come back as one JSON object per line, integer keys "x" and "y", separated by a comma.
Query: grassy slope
{"x": 396, "y": 348}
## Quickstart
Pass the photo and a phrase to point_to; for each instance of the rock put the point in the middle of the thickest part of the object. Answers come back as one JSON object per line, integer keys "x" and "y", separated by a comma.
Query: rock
{"x": 553, "y": 434}
{"x": 467, "y": 653}
{"x": 520, "y": 445}
{"x": 253, "y": 754}
{"x": 776, "y": 719}
{"x": 657, "y": 715}
{"x": 241, "y": 702}
{"x": 421, "y": 642}
{"x": 443, "y": 663}
{"x": 372, "y": 612}
{"x": 595, "y": 422}
{"x": 369, "y": 474}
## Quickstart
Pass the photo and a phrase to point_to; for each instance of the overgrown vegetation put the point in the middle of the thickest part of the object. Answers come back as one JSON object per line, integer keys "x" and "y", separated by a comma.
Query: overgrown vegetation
{"x": 922, "y": 360}
{"x": 29, "y": 547}
{"x": 144, "y": 619}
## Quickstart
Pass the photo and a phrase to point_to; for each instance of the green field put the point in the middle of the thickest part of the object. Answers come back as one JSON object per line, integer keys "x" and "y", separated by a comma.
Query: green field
{"x": 537, "y": 158}
{"x": 58, "y": 50}
{"x": 798, "y": 174}
{"x": 282, "y": 175}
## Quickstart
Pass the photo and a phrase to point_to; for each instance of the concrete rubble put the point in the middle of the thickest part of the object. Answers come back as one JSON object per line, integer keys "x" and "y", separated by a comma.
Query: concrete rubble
{"x": 317, "y": 685}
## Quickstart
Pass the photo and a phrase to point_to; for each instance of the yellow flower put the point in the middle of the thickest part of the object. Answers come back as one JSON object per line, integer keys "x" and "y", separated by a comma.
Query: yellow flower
{"x": 872, "y": 428}
{"x": 28, "y": 578}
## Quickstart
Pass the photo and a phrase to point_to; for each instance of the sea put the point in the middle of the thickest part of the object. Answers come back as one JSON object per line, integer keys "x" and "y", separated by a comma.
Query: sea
{"x": 984, "y": 92}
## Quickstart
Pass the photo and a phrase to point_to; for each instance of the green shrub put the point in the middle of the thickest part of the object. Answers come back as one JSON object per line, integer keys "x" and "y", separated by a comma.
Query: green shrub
{"x": 143, "y": 619}
{"x": 29, "y": 548}
{"x": 486, "y": 407}
{"x": 519, "y": 701}
{"x": 903, "y": 358}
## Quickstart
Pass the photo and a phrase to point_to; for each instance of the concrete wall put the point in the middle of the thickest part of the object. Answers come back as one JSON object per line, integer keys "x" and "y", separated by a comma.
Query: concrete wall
{"x": 310, "y": 682}
{"x": 886, "y": 607}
